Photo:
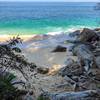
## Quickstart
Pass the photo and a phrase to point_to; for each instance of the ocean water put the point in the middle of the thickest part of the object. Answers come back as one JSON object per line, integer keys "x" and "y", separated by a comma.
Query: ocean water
{"x": 42, "y": 18}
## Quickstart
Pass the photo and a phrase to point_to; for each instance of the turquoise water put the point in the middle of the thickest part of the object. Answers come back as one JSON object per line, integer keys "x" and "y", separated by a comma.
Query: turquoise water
{"x": 41, "y": 18}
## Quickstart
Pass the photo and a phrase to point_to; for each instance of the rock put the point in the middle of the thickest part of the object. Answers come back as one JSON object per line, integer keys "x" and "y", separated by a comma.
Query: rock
{"x": 98, "y": 33}
{"x": 69, "y": 80}
{"x": 71, "y": 70}
{"x": 85, "y": 56}
{"x": 82, "y": 95}
{"x": 98, "y": 45}
{"x": 77, "y": 42}
{"x": 59, "y": 49}
{"x": 65, "y": 86}
{"x": 75, "y": 33}
{"x": 96, "y": 53}
{"x": 97, "y": 29}
{"x": 75, "y": 78}
{"x": 87, "y": 85}
{"x": 69, "y": 62}
{"x": 95, "y": 73}
{"x": 87, "y": 82}
{"x": 98, "y": 61}
{"x": 32, "y": 67}
{"x": 29, "y": 96}
{"x": 43, "y": 70}
{"x": 76, "y": 69}
{"x": 88, "y": 35}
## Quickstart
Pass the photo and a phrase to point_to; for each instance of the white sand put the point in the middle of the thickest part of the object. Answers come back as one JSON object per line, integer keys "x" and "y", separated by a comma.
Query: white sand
{"x": 4, "y": 38}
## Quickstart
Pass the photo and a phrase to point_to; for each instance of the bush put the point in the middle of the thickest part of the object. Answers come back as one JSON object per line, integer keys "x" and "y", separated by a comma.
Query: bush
{"x": 41, "y": 97}
{"x": 7, "y": 90}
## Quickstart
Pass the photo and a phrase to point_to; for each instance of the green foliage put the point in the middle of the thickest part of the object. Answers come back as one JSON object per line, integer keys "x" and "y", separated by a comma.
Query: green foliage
{"x": 16, "y": 49}
{"x": 14, "y": 41}
{"x": 10, "y": 57}
{"x": 41, "y": 97}
{"x": 98, "y": 85}
{"x": 7, "y": 90}
{"x": 10, "y": 53}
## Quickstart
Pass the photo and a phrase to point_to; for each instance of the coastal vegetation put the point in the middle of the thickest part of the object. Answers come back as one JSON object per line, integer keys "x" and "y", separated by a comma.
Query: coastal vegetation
{"x": 11, "y": 59}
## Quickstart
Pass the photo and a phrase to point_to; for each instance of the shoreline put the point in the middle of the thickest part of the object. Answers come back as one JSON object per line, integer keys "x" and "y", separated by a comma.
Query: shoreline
{"x": 24, "y": 37}
{"x": 4, "y": 38}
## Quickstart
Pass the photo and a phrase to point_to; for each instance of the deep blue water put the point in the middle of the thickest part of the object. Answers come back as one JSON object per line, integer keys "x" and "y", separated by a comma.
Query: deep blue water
{"x": 40, "y": 18}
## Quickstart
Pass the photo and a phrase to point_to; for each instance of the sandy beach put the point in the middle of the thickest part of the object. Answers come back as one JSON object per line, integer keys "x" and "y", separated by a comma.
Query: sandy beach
{"x": 4, "y": 38}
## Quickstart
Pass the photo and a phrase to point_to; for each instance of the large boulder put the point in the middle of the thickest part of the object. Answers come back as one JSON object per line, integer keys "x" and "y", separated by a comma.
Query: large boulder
{"x": 85, "y": 56}
{"x": 88, "y": 35}
{"x": 59, "y": 49}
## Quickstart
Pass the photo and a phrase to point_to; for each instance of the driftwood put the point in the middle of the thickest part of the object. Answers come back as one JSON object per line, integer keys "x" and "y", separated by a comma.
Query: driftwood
{"x": 83, "y": 95}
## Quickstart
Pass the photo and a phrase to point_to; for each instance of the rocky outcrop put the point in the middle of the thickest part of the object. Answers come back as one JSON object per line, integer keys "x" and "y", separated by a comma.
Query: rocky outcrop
{"x": 82, "y": 74}
{"x": 88, "y": 35}
{"x": 85, "y": 56}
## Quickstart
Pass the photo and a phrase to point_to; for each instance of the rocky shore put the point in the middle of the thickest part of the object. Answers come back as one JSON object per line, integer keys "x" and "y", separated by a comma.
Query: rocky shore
{"x": 74, "y": 76}
{"x": 82, "y": 76}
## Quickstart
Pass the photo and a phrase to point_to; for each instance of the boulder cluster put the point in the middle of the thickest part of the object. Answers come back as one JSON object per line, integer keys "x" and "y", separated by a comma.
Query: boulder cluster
{"x": 83, "y": 73}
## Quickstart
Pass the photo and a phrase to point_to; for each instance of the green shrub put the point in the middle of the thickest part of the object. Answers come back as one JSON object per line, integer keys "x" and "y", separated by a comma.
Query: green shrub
{"x": 41, "y": 97}
{"x": 7, "y": 90}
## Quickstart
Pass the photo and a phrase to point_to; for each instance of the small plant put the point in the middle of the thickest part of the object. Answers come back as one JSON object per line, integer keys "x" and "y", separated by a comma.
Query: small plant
{"x": 41, "y": 97}
{"x": 7, "y": 90}
{"x": 16, "y": 49}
